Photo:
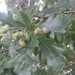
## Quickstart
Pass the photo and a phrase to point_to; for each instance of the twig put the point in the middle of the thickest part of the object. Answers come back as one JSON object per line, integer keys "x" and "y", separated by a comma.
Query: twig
{"x": 67, "y": 12}
{"x": 0, "y": 46}
{"x": 3, "y": 51}
{"x": 69, "y": 66}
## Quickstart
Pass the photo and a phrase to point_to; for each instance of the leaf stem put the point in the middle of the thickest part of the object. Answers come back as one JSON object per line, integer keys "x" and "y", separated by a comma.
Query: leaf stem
{"x": 15, "y": 27}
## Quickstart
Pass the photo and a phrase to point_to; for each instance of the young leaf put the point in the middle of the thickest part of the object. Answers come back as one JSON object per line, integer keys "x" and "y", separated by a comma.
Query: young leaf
{"x": 26, "y": 20}
{"x": 34, "y": 41}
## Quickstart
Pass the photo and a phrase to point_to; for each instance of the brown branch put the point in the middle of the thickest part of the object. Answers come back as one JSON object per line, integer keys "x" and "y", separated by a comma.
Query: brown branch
{"x": 69, "y": 66}
{"x": 0, "y": 46}
{"x": 3, "y": 51}
{"x": 67, "y": 12}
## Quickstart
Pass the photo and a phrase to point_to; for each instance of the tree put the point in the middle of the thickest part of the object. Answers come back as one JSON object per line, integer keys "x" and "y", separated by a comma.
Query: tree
{"x": 38, "y": 39}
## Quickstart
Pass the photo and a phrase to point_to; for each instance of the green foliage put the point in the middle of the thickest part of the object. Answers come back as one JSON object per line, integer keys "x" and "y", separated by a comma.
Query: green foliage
{"x": 34, "y": 42}
{"x": 51, "y": 53}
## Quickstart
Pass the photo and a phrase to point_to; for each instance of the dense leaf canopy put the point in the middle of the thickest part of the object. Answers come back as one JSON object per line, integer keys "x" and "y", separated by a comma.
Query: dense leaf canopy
{"x": 45, "y": 44}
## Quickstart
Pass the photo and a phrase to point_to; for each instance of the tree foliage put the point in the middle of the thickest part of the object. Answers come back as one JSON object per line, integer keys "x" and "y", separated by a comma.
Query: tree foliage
{"x": 38, "y": 39}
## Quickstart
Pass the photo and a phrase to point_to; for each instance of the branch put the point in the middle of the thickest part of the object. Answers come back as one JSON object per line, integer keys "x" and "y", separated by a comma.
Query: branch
{"x": 45, "y": 16}
{"x": 3, "y": 51}
{"x": 69, "y": 66}
{"x": 68, "y": 12}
